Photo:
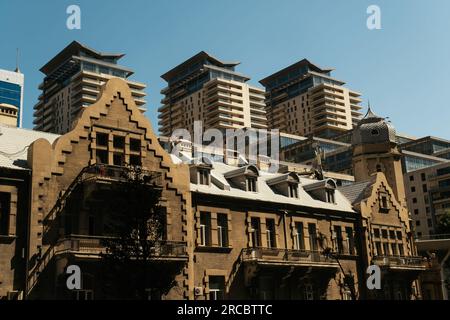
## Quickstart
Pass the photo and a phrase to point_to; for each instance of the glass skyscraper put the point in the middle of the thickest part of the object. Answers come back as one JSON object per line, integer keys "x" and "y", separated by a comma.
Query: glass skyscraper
{"x": 11, "y": 91}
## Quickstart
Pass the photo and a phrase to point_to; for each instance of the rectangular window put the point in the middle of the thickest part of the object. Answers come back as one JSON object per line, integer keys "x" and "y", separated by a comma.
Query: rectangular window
{"x": 384, "y": 233}
{"x": 424, "y": 188}
{"x": 429, "y": 223}
{"x": 102, "y": 139}
{"x": 205, "y": 229}
{"x": 102, "y": 156}
{"x": 119, "y": 142}
{"x": 339, "y": 239}
{"x": 411, "y": 178}
{"x": 299, "y": 239}
{"x": 312, "y": 232}
{"x": 251, "y": 184}
{"x": 414, "y": 200}
{"x": 203, "y": 176}
{"x": 399, "y": 235}
{"x": 5, "y": 200}
{"x": 378, "y": 247}
{"x": 384, "y": 205}
{"x": 118, "y": 159}
{"x": 135, "y": 144}
{"x": 270, "y": 232}
{"x": 350, "y": 239}
{"x": 413, "y": 189}
{"x": 392, "y": 234}
{"x": 256, "y": 232}
{"x": 422, "y": 176}
{"x": 394, "y": 249}
{"x": 330, "y": 196}
{"x": 216, "y": 287}
{"x": 376, "y": 233}
{"x": 222, "y": 229}
{"x": 386, "y": 249}
{"x": 293, "y": 190}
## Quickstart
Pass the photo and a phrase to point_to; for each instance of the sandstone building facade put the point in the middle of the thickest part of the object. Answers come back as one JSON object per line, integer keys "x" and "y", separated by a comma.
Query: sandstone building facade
{"x": 230, "y": 232}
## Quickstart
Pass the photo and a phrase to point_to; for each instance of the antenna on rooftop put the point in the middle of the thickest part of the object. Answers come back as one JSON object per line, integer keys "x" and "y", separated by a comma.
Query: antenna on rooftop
{"x": 17, "y": 61}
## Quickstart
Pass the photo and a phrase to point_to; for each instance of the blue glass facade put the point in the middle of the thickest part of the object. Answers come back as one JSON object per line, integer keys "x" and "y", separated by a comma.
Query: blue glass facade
{"x": 411, "y": 163}
{"x": 10, "y": 93}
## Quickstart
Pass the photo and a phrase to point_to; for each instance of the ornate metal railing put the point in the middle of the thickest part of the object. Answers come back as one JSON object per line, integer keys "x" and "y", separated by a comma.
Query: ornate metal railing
{"x": 98, "y": 244}
{"x": 94, "y": 245}
{"x": 285, "y": 255}
{"x": 400, "y": 261}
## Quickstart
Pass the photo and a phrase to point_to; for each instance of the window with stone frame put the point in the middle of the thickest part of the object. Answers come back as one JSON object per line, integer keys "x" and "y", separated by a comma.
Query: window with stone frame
{"x": 384, "y": 202}
{"x": 112, "y": 148}
{"x": 5, "y": 204}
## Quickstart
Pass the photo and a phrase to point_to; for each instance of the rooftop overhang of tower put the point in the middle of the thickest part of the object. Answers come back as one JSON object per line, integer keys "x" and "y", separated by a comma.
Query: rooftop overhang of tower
{"x": 73, "y": 49}
{"x": 301, "y": 63}
{"x": 202, "y": 55}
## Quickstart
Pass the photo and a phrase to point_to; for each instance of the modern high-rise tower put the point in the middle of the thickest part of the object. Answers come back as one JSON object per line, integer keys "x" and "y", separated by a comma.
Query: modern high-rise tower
{"x": 11, "y": 97}
{"x": 210, "y": 90}
{"x": 304, "y": 99}
{"x": 73, "y": 79}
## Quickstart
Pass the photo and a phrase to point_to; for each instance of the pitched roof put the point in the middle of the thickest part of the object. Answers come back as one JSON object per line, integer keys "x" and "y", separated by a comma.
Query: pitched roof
{"x": 222, "y": 186}
{"x": 14, "y": 143}
{"x": 357, "y": 192}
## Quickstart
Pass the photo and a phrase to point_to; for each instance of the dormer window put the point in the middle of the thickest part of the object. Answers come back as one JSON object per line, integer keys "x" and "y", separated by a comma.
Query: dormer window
{"x": 330, "y": 196}
{"x": 324, "y": 190}
{"x": 200, "y": 173}
{"x": 293, "y": 190}
{"x": 203, "y": 176}
{"x": 285, "y": 184}
{"x": 251, "y": 184}
{"x": 244, "y": 178}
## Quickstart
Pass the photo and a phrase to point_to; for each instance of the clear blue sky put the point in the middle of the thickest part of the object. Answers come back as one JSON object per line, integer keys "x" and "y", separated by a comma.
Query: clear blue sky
{"x": 404, "y": 69}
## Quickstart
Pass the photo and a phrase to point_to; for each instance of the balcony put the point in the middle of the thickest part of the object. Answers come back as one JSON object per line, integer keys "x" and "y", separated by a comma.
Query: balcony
{"x": 92, "y": 246}
{"x": 105, "y": 174}
{"x": 287, "y": 257}
{"x": 400, "y": 263}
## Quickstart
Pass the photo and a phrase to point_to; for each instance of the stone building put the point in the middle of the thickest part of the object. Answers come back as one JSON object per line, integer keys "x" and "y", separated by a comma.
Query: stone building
{"x": 230, "y": 232}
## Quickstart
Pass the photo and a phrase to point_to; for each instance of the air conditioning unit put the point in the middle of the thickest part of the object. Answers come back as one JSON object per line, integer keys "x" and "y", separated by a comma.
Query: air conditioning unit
{"x": 198, "y": 291}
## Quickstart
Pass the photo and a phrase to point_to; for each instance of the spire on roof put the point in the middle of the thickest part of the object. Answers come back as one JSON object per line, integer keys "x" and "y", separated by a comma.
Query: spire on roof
{"x": 370, "y": 113}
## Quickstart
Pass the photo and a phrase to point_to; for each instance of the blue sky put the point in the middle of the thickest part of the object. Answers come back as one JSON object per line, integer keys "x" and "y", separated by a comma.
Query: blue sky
{"x": 403, "y": 69}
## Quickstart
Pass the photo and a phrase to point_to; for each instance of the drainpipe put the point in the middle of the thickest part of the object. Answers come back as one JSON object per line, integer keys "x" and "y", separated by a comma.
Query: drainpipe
{"x": 442, "y": 274}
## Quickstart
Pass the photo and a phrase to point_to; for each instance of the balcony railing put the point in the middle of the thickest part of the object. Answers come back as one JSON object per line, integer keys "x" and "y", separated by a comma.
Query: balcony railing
{"x": 286, "y": 256}
{"x": 399, "y": 262}
{"x": 95, "y": 245}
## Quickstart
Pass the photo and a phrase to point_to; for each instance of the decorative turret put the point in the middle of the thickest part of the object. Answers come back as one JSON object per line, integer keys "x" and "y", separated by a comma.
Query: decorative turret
{"x": 375, "y": 150}
{"x": 373, "y": 129}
